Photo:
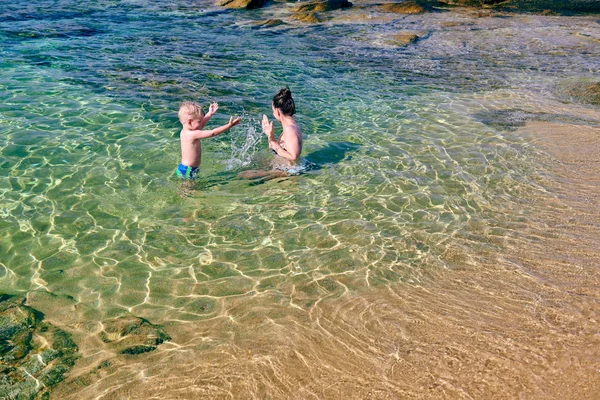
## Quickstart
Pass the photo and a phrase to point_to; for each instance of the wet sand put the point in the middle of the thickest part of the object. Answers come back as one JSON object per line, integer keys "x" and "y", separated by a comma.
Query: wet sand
{"x": 522, "y": 324}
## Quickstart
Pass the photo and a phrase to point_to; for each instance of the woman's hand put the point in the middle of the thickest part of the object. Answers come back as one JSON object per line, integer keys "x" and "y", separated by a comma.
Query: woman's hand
{"x": 268, "y": 128}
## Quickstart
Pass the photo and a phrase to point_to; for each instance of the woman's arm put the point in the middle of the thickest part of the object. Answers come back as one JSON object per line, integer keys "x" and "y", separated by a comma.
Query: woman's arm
{"x": 292, "y": 144}
{"x": 291, "y": 153}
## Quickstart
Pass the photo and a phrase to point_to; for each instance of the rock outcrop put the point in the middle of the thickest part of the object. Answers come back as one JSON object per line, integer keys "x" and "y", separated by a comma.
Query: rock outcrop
{"x": 245, "y": 4}
{"x": 308, "y": 17}
{"x": 321, "y": 6}
{"x": 407, "y": 7}
{"x": 568, "y": 6}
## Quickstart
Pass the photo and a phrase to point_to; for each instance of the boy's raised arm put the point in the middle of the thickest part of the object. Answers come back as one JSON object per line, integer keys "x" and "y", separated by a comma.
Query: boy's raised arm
{"x": 212, "y": 110}
{"x": 202, "y": 134}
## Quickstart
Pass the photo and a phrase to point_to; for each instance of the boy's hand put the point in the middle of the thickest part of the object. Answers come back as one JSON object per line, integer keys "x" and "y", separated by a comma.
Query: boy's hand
{"x": 268, "y": 128}
{"x": 234, "y": 122}
{"x": 213, "y": 108}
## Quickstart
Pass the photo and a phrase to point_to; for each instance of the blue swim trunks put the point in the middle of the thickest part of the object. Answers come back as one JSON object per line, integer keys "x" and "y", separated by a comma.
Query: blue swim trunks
{"x": 185, "y": 172}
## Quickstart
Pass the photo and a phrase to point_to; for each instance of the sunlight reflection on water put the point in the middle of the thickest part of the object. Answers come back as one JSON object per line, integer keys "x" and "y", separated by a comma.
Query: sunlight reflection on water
{"x": 414, "y": 170}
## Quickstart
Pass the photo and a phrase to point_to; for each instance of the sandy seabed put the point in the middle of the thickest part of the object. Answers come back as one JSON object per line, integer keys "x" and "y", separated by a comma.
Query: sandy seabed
{"x": 523, "y": 324}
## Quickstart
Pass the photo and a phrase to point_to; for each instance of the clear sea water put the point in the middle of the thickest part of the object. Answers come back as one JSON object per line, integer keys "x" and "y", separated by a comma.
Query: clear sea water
{"x": 415, "y": 163}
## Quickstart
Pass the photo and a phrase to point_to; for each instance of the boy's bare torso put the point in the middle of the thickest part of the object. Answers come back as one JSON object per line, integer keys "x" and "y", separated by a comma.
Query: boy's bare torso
{"x": 191, "y": 149}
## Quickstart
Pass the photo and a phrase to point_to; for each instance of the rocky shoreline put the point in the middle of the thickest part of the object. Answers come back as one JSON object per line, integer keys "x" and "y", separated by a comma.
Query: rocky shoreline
{"x": 315, "y": 12}
{"x": 567, "y": 7}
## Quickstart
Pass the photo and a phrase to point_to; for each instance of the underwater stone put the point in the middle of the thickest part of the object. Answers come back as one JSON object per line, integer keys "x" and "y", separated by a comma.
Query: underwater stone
{"x": 270, "y": 23}
{"x": 14, "y": 317}
{"x": 138, "y": 349}
{"x": 133, "y": 335}
{"x": 567, "y": 6}
{"x": 323, "y": 6}
{"x": 247, "y": 4}
{"x": 22, "y": 363}
{"x": 403, "y": 39}
{"x": 310, "y": 17}
{"x": 409, "y": 7}
{"x": 588, "y": 93}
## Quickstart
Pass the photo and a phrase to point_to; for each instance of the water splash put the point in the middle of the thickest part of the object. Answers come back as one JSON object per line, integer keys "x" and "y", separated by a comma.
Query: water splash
{"x": 242, "y": 153}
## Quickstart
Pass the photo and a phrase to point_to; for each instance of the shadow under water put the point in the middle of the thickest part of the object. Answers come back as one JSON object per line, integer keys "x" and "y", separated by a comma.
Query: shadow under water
{"x": 332, "y": 153}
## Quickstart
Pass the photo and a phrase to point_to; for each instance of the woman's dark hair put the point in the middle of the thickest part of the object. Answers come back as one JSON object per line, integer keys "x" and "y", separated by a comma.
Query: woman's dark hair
{"x": 283, "y": 101}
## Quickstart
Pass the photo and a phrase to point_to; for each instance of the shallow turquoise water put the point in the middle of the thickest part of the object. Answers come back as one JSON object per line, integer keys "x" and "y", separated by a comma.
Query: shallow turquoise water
{"x": 415, "y": 166}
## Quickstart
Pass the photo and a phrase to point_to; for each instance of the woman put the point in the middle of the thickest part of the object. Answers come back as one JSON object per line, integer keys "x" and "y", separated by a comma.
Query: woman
{"x": 289, "y": 144}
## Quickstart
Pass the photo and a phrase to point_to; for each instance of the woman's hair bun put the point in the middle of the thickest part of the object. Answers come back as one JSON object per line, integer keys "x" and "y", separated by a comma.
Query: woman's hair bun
{"x": 283, "y": 100}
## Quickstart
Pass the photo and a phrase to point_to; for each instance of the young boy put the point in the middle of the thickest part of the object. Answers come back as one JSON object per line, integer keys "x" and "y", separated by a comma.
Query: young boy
{"x": 193, "y": 120}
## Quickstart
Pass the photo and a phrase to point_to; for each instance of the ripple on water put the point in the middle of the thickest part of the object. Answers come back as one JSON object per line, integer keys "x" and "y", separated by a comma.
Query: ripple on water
{"x": 415, "y": 169}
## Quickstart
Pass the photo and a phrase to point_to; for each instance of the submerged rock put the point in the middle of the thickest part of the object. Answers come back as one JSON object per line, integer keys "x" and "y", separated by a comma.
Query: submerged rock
{"x": 133, "y": 335}
{"x": 472, "y": 3}
{"x": 322, "y": 6}
{"x": 546, "y": 6}
{"x": 270, "y": 23}
{"x": 567, "y": 6}
{"x": 587, "y": 93}
{"x": 308, "y": 12}
{"x": 247, "y": 4}
{"x": 34, "y": 355}
{"x": 403, "y": 39}
{"x": 309, "y": 17}
{"x": 408, "y": 7}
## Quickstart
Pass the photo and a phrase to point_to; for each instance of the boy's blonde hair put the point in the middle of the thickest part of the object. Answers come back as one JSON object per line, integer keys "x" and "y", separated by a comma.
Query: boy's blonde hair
{"x": 190, "y": 108}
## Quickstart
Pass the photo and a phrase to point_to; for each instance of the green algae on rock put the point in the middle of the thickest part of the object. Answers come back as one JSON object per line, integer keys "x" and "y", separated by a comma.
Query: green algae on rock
{"x": 34, "y": 355}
